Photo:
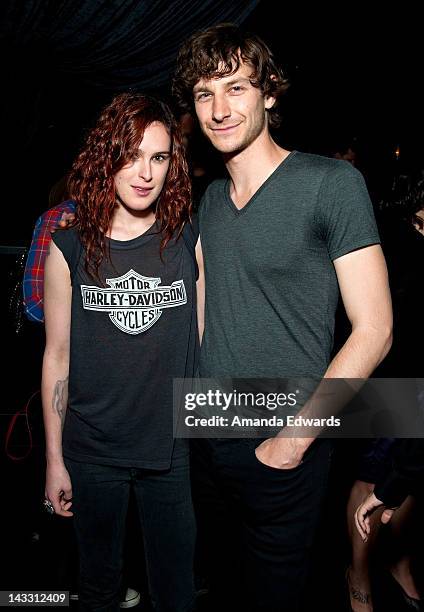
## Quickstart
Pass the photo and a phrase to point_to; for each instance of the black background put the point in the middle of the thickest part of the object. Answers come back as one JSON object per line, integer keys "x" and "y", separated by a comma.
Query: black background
{"x": 352, "y": 76}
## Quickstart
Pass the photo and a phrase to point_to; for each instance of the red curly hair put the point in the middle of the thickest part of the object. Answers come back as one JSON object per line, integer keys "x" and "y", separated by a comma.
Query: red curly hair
{"x": 110, "y": 145}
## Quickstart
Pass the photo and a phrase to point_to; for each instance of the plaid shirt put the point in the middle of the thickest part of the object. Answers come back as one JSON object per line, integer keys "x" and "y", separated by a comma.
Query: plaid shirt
{"x": 33, "y": 282}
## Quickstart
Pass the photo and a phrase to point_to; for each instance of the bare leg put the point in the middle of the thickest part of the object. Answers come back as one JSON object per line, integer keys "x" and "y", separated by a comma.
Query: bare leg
{"x": 358, "y": 573}
{"x": 403, "y": 528}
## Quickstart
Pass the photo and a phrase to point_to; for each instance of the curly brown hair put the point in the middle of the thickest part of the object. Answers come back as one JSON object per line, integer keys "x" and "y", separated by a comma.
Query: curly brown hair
{"x": 218, "y": 52}
{"x": 110, "y": 145}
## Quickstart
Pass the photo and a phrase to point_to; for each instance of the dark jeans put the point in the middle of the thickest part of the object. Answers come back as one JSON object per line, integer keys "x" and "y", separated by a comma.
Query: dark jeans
{"x": 100, "y": 503}
{"x": 256, "y": 524}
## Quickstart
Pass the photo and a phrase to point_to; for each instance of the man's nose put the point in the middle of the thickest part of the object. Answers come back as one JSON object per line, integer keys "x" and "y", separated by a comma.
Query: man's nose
{"x": 220, "y": 108}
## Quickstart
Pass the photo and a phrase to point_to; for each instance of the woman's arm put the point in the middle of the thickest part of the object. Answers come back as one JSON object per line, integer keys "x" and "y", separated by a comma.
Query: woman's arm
{"x": 200, "y": 288}
{"x": 54, "y": 386}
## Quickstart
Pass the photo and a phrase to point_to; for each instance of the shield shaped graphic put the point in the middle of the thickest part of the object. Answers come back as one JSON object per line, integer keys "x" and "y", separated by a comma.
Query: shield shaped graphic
{"x": 138, "y": 312}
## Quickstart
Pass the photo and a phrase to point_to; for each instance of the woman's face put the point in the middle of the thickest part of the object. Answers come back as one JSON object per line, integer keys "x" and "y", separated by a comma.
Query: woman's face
{"x": 139, "y": 183}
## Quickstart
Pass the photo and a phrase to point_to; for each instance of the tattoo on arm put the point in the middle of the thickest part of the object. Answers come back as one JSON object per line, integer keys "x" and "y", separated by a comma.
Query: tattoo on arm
{"x": 60, "y": 398}
{"x": 361, "y": 596}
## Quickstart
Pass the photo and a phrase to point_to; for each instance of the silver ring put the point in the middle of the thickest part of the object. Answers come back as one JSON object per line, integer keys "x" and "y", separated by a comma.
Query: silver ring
{"x": 48, "y": 506}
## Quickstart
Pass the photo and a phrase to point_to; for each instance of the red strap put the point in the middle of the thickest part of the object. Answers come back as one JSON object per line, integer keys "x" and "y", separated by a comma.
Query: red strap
{"x": 22, "y": 412}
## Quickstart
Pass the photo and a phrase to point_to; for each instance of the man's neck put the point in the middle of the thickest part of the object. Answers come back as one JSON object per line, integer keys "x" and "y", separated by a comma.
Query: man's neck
{"x": 250, "y": 168}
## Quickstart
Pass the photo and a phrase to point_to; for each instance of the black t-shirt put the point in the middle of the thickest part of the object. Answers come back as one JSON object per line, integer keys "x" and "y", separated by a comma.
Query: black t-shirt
{"x": 129, "y": 339}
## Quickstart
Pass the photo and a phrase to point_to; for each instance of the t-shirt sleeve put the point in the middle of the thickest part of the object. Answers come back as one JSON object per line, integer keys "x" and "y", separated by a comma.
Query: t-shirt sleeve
{"x": 194, "y": 228}
{"x": 191, "y": 236}
{"x": 68, "y": 242}
{"x": 345, "y": 213}
{"x": 200, "y": 212}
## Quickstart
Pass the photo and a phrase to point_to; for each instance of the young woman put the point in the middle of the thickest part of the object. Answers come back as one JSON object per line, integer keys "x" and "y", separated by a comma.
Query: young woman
{"x": 121, "y": 323}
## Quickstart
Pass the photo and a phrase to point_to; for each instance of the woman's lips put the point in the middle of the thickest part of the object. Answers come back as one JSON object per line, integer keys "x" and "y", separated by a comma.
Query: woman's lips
{"x": 142, "y": 191}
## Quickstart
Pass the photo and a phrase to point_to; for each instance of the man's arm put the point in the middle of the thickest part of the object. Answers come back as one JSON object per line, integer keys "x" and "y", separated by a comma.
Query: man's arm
{"x": 364, "y": 287}
{"x": 54, "y": 387}
{"x": 200, "y": 289}
{"x": 363, "y": 280}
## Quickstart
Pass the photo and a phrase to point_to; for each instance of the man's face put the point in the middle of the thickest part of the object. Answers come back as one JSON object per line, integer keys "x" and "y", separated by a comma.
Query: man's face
{"x": 231, "y": 111}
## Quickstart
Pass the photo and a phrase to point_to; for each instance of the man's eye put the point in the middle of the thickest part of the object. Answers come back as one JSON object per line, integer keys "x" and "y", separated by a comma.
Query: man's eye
{"x": 237, "y": 89}
{"x": 202, "y": 96}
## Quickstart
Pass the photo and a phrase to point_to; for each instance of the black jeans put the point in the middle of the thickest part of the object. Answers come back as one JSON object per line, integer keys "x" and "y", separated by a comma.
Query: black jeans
{"x": 100, "y": 503}
{"x": 256, "y": 523}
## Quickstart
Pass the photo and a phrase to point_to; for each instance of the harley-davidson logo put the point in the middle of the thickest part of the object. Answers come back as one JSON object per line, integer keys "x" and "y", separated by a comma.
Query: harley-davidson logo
{"x": 134, "y": 302}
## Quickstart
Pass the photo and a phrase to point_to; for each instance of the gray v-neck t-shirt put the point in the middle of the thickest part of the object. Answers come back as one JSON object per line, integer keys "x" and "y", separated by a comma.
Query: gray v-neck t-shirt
{"x": 271, "y": 286}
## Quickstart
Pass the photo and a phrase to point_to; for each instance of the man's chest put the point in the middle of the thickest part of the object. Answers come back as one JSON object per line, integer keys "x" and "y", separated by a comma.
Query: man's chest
{"x": 269, "y": 239}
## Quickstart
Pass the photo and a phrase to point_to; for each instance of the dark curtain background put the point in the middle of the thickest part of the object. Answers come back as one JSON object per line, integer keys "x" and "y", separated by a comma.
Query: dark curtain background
{"x": 62, "y": 60}
{"x": 354, "y": 78}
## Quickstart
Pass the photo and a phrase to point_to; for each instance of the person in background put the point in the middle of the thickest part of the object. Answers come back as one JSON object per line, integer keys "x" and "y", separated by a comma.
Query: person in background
{"x": 33, "y": 280}
{"x": 405, "y": 478}
{"x": 401, "y": 223}
{"x": 346, "y": 151}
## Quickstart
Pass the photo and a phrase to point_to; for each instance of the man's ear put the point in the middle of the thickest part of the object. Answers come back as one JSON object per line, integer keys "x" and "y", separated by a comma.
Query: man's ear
{"x": 269, "y": 102}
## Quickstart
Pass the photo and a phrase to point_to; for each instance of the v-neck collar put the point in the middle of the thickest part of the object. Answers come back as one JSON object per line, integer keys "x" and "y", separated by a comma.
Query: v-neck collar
{"x": 229, "y": 200}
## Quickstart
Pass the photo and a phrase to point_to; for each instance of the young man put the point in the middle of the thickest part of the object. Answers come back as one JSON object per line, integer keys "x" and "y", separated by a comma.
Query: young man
{"x": 280, "y": 237}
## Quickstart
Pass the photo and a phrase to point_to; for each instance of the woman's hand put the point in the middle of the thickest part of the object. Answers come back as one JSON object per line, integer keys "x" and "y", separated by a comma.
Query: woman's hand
{"x": 59, "y": 488}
